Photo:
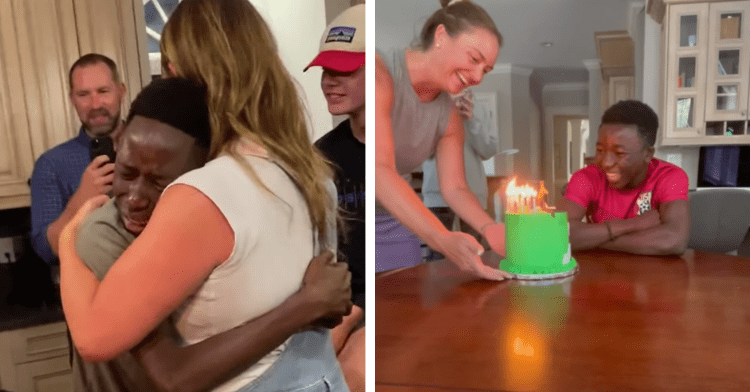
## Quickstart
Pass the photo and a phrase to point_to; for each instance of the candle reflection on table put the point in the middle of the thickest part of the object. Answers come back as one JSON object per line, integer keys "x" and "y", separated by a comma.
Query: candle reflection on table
{"x": 536, "y": 315}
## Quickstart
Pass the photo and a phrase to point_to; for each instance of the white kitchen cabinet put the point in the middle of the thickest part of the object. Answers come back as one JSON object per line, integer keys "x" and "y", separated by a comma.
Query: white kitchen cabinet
{"x": 706, "y": 76}
{"x": 39, "y": 41}
{"x": 35, "y": 359}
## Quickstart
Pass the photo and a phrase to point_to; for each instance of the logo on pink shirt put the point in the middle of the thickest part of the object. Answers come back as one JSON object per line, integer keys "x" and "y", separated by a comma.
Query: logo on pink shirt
{"x": 643, "y": 202}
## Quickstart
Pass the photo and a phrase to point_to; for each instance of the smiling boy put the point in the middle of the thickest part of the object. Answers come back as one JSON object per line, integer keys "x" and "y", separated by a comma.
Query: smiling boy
{"x": 631, "y": 201}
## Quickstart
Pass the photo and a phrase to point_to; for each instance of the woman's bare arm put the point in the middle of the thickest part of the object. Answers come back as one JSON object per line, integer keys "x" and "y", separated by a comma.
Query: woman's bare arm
{"x": 186, "y": 238}
{"x": 452, "y": 176}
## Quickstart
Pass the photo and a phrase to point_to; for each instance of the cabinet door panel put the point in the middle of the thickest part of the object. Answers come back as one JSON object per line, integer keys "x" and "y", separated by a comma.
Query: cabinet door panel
{"x": 728, "y": 61}
{"x": 37, "y": 43}
{"x": 41, "y": 342}
{"x": 51, "y": 375}
{"x": 35, "y": 359}
{"x": 686, "y": 74}
{"x": 15, "y": 149}
{"x": 621, "y": 88}
{"x": 110, "y": 27}
{"x": 688, "y": 28}
{"x": 47, "y": 47}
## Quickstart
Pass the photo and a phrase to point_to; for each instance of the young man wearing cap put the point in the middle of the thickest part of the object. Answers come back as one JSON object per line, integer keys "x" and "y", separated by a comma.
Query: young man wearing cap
{"x": 167, "y": 134}
{"x": 342, "y": 57}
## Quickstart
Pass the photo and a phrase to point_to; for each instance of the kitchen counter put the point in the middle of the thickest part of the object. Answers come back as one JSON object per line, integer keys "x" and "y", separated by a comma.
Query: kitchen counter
{"x": 19, "y": 316}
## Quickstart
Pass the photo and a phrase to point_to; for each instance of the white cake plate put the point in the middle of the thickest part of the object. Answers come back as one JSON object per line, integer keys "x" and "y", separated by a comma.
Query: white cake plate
{"x": 544, "y": 276}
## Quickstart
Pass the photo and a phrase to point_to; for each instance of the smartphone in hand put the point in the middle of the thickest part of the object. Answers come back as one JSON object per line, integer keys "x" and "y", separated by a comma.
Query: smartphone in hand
{"x": 102, "y": 146}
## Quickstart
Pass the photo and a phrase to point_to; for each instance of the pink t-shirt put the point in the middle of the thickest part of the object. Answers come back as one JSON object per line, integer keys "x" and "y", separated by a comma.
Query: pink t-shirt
{"x": 589, "y": 188}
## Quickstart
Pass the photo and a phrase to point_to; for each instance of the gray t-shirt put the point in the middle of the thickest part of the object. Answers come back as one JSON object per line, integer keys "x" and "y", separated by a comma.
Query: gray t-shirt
{"x": 101, "y": 240}
{"x": 417, "y": 126}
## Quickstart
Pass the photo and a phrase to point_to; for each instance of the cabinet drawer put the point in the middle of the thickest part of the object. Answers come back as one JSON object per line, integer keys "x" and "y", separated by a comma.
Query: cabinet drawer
{"x": 38, "y": 343}
{"x": 50, "y": 375}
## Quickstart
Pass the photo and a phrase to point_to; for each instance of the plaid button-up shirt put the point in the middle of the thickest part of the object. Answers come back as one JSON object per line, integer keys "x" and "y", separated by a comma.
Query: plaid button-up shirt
{"x": 57, "y": 174}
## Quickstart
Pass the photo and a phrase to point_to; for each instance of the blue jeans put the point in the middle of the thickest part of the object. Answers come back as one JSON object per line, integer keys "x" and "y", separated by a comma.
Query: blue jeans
{"x": 308, "y": 364}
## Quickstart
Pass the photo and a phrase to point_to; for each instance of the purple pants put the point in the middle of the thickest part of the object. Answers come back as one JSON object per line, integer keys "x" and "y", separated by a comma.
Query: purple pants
{"x": 395, "y": 245}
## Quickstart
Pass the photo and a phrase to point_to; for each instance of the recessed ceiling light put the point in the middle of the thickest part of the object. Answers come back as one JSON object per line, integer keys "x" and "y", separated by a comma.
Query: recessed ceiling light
{"x": 546, "y": 44}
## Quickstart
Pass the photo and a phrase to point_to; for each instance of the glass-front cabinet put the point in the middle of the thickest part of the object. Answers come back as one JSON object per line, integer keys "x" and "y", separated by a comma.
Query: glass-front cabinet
{"x": 708, "y": 67}
{"x": 686, "y": 73}
{"x": 729, "y": 67}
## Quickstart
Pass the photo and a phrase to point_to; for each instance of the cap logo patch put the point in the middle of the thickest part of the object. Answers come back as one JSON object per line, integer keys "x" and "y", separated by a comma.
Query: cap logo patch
{"x": 341, "y": 34}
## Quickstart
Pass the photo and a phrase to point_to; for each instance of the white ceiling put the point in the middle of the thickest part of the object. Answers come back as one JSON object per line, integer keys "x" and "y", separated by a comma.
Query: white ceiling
{"x": 524, "y": 24}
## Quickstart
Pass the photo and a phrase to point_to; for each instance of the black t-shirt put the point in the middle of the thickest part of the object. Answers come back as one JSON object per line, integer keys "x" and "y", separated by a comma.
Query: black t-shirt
{"x": 348, "y": 156}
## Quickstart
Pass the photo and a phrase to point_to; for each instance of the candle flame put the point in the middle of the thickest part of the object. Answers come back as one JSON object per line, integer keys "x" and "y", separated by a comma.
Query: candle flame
{"x": 525, "y": 199}
{"x": 524, "y": 191}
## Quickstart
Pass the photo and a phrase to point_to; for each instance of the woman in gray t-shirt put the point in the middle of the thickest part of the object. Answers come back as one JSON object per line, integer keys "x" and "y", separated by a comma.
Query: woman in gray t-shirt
{"x": 416, "y": 118}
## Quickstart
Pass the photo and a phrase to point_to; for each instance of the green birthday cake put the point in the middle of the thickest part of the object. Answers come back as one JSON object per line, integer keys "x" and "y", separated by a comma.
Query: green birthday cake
{"x": 537, "y": 246}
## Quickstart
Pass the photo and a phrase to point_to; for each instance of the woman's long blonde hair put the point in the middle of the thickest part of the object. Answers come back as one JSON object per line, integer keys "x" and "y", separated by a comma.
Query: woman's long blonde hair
{"x": 228, "y": 47}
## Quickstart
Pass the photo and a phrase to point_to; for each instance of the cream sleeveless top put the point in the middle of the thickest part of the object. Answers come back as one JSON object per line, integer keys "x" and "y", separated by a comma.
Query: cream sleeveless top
{"x": 273, "y": 245}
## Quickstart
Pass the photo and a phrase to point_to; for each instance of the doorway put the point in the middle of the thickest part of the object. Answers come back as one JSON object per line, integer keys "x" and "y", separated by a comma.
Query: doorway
{"x": 570, "y": 135}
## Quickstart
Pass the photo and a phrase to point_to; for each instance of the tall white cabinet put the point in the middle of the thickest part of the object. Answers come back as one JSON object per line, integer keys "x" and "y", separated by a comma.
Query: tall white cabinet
{"x": 706, "y": 74}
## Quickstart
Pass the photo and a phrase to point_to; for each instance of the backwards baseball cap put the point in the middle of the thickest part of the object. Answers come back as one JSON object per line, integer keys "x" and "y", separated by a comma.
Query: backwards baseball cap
{"x": 342, "y": 47}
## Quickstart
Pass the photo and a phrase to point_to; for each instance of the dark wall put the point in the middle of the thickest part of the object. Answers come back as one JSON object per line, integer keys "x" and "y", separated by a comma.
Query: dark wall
{"x": 27, "y": 282}
{"x": 15, "y": 222}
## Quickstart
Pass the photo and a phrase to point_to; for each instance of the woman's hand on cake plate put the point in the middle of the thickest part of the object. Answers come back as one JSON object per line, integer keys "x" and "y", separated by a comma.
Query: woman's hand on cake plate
{"x": 463, "y": 250}
{"x": 495, "y": 235}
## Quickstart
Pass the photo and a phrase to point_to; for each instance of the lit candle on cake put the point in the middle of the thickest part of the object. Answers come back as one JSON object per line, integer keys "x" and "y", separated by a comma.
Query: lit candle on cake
{"x": 496, "y": 198}
{"x": 524, "y": 195}
{"x": 519, "y": 206}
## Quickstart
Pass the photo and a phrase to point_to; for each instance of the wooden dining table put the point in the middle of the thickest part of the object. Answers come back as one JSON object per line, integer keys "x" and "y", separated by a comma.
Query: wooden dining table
{"x": 623, "y": 322}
